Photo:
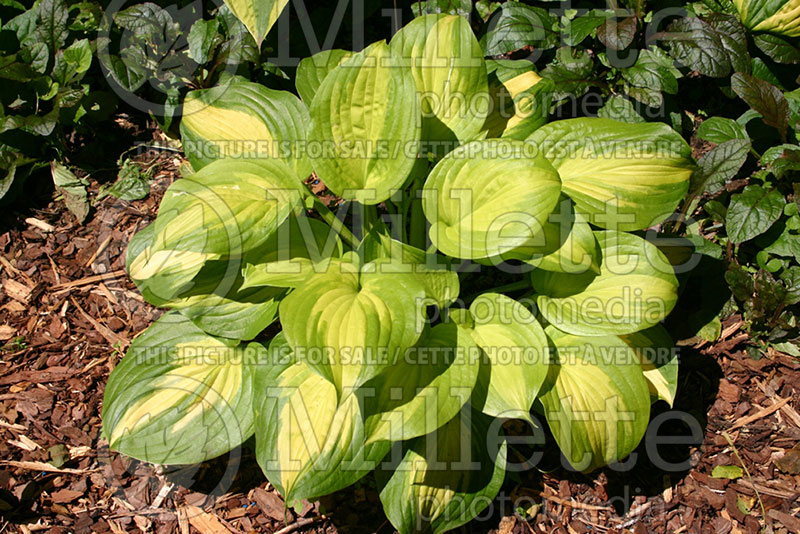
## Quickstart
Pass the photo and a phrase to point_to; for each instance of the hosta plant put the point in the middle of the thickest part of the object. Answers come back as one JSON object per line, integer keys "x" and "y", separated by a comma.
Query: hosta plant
{"x": 347, "y": 336}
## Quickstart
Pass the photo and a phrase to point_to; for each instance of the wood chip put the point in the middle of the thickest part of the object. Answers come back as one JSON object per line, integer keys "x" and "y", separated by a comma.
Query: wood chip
{"x": 99, "y": 251}
{"x": 269, "y": 503}
{"x": 758, "y": 415}
{"x": 17, "y": 291}
{"x": 203, "y": 521}
{"x": 47, "y": 468}
{"x": 7, "y": 332}
{"x": 114, "y": 275}
{"x": 41, "y": 225}
{"x": 110, "y": 336}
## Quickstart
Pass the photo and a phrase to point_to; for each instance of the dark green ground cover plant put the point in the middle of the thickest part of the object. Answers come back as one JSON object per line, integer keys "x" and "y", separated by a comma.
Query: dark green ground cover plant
{"x": 341, "y": 336}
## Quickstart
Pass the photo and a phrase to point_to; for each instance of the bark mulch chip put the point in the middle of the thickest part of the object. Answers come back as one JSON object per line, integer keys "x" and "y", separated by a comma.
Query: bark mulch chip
{"x": 67, "y": 313}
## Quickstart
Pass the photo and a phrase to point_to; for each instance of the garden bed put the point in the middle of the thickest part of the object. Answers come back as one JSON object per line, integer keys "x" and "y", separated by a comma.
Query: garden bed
{"x": 68, "y": 312}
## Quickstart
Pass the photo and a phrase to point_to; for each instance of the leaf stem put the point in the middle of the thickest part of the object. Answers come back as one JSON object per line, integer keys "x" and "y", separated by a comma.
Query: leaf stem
{"x": 338, "y": 226}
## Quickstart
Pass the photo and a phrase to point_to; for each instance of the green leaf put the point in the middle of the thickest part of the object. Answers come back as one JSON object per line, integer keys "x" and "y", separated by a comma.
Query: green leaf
{"x": 764, "y": 98}
{"x": 258, "y": 16}
{"x": 131, "y": 184}
{"x": 202, "y": 37}
{"x": 446, "y": 478}
{"x": 481, "y": 205}
{"x": 73, "y": 189}
{"x": 366, "y": 118}
{"x": 448, "y": 7}
{"x": 180, "y": 396}
{"x": 620, "y": 109}
{"x": 362, "y": 323}
{"x": 596, "y": 400}
{"x": 449, "y": 73}
{"x": 731, "y": 472}
{"x": 313, "y": 70}
{"x": 52, "y": 24}
{"x": 694, "y": 43}
{"x": 782, "y": 159}
{"x": 635, "y": 289}
{"x": 752, "y": 212}
{"x": 776, "y": 16}
{"x": 719, "y": 165}
{"x": 659, "y": 358}
{"x": 570, "y": 71}
{"x": 425, "y": 389}
{"x": 517, "y": 352}
{"x": 617, "y": 35}
{"x": 719, "y": 129}
{"x": 653, "y": 69}
{"x": 518, "y": 25}
{"x": 578, "y": 29}
{"x": 777, "y": 48}
{"x": 734, "y": 39}
{"x": 622, "y": 176}
{"x": 247, "y": 121}
{"x": 309, "y": 444}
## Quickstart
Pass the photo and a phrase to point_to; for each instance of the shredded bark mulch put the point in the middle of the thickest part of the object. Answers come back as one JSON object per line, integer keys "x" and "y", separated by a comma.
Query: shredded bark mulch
{"x": 68, "y": 312}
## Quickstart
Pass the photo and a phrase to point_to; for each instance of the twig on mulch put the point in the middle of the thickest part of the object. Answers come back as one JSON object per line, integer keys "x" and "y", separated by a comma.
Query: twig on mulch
{"x": 104, "y": 331}
{"x": 758, "y": 415}
{"x": 48, "y": 468}
{"x": 300, "y": 523}
{"x": 90, "y": 280}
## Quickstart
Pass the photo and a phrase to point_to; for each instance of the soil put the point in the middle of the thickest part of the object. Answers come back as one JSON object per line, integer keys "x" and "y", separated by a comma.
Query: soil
{"x": 67, "y": 313}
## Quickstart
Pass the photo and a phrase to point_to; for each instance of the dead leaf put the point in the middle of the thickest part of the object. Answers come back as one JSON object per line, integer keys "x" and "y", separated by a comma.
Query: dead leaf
{"x": 790, "y": 461}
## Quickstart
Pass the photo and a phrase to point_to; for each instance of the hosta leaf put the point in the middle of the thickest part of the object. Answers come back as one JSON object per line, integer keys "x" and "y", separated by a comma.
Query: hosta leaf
{"x": 752, "y": 212}
{"x": 659, "y": 359}
{"x": 447, "y": 64}
{"x": 623, "y": 176}
{"x": 362, "y": 323}
{"x": 258, "y": 16}
{"x": 446, "y": 478}
{"x": 488, "y": 197}
{"x": 438, "y": 279}
{"x": 636, "y": 288}
{"x": 245, "y": 120}
{"x": 425, "y": 389}
{"x": 366, "y": 124}
{"x": 226, "y": 208}
{"x": 596, "y": 400}
{"x": 566, "y": 244}
{"x": 777, "y": 16}
{"x": 313, "y": 70}
{"x": 521, "y": 99}
{"x": 308, "y": 443}
{"x": 516, "y": 348}
{"x": 180, "y": 396}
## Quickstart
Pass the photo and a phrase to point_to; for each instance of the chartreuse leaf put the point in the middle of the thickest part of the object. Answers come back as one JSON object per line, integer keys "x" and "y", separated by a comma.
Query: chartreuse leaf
{"x": 246, "y": 121}
{"x": 210, "y": 293}
{"x": 450, "y": 74}
{"x": 313, "y": 70}
{"x": 300, "y": 247}
{"x": 350, "y": 326}
{"x": 365, "y": 126}
{"x": 227, "y": 207}
{"x": 425, "y": 389}
{"x": 258, "y": 16}
{"x": 777, "y": 16}
{"x": 488, "y": 197}
{"x": 623, "y": 176}
{"x": 566, "y": 244}
{"x": 445, "y": 478}
{"x": 520, "y": 99}
{"x": 180, "y": 396}
{"x": 309, "y": 443}
{"x": 439, "y": 281}
{"x": 635, "y": 289}
{"x": 516, "y": 348}
{"x": 656, "y": 351}
{"x": 595, "y": 399}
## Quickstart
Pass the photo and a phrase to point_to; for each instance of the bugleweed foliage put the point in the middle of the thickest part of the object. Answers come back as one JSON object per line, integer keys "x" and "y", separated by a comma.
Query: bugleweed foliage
{"x": 375, "y": 359}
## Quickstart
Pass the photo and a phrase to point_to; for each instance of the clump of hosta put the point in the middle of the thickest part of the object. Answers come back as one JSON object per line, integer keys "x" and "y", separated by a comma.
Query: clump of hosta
{"x": 348, "y": 348}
